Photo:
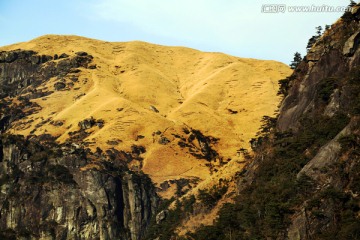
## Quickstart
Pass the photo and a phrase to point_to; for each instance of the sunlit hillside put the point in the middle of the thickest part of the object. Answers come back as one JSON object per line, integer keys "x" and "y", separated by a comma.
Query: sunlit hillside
{"x": 150, "y": 95}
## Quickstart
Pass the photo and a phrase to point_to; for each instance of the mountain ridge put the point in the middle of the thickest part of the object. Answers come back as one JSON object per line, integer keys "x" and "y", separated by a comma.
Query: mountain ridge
{"x": 183, "y": 84}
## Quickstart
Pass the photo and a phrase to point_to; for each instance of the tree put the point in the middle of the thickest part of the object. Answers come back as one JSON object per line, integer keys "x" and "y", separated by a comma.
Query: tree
{"x": 347, "y": 16}
{"x": 284, "y": 86}
{"x": 319, "y": 31}
{"x": 296, "y": 61}
{"x": 352, "y": 3}
{"x": 327, "y": 27}
{"x": 313, "y": 39}
{"x": 311, "y": 42}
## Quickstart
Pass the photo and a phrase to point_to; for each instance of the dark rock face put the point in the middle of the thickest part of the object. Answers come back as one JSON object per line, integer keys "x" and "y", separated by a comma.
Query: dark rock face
{"x": 16, "y": 71}
{"x": 303, "y": 95}
{"x": 54, "y": 192}
{"x": 333, "y": 56}
{"x": 21, "y": 71}
{"x": 303, "y": 182}
{"x": 328, "y": 88}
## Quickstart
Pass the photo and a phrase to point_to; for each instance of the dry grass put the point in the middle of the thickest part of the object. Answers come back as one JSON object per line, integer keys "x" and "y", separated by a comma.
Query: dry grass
{"x": 188, "y": 87}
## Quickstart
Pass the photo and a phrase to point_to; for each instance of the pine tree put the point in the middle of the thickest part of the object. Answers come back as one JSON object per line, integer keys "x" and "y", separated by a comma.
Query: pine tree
{"x": 313, "y": 39}
{"x": 296, "y": 61}
{"x": 347, "y": 16}
{"x": 311, "y": 42}
{"x": 319, "y": 31}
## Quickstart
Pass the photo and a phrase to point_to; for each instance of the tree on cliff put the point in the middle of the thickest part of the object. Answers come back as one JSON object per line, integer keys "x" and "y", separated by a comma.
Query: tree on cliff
{"x": 314, "y": 38}
{"x": 296, "y": 61}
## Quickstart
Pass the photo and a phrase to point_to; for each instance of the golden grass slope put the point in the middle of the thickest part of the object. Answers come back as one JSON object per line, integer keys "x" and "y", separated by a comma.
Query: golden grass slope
{"x": 188, "y": 87}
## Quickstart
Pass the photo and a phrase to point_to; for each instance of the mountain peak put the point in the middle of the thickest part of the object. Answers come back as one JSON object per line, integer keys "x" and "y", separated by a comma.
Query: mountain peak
{"x": 222, "y": 96}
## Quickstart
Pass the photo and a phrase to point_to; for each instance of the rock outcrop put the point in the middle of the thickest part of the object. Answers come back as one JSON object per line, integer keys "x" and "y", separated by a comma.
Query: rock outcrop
{"x": 323, "y": 100}
{"x": 337, "y": 54}
{"x": 20, "y": 69}
{"x": 55, "y": 192}
{"x": 303, "y": 181}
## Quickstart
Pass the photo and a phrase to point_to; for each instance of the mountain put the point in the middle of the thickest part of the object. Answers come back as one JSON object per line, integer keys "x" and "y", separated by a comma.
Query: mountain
{"x": 98, "y": 138}
{"x": 147, "y": 93}
{"x": 303, "y": 181}
{"x": 133, "y": 140}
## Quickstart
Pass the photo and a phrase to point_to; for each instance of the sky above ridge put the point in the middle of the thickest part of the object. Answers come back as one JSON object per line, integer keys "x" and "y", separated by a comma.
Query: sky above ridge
{"x": 262, "y": 29}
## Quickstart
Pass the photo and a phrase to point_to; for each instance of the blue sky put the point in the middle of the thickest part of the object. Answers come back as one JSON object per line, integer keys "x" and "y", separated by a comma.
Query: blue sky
{"x": 236, "y": 27}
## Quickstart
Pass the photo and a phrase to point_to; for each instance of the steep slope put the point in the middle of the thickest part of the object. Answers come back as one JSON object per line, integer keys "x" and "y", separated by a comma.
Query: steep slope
{"x": 82, "y": 120}
{"x": 303, "y": 182}
{"x": 153, "y": 96}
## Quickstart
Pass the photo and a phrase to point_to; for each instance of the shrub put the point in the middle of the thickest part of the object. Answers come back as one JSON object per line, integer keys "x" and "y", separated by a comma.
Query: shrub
{"x": 326, "y": 88}
{"x": 210, "y": 197}
{"x": 207, "y": 233}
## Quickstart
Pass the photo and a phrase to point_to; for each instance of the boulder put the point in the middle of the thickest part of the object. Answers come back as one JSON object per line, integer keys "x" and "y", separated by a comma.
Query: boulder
{"x": 63, "y": 55}
{"x": 313, "y": 56}
{"x": 81, "y": 53}
{"x": 92, "y": 66}
{"x": 351, "y": 44}
{"x": 152, "y": 108}
{"x": 163, "y": 140}
{"x": 87, "y": 123}
{"x": 161, "y": 216}
{"x": 59, "y": 85}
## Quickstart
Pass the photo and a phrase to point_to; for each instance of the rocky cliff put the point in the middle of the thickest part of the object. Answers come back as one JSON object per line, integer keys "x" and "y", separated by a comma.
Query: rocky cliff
{"x": 326, "y": 88}
{"x": 51, "y": 191}
{"x": 303, "y": 182}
